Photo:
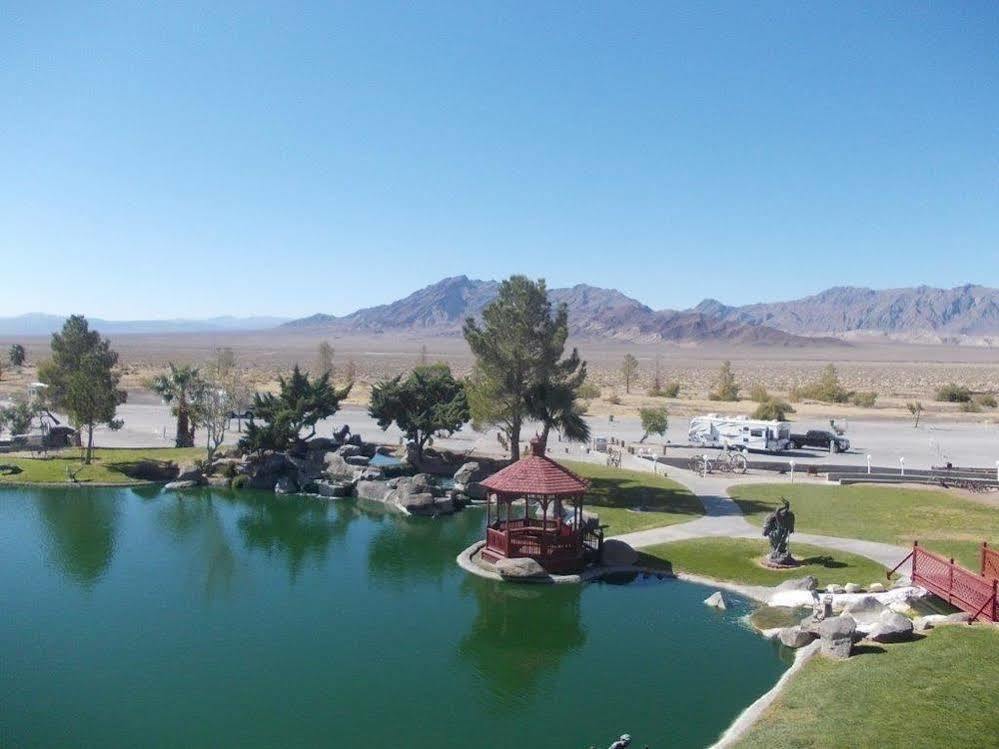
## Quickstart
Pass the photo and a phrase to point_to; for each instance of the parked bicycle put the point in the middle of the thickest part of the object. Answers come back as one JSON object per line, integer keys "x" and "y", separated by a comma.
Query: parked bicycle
{"x": 727, "y": 462}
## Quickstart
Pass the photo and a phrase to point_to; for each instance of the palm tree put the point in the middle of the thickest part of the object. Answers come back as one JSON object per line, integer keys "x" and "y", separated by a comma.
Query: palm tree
{"x": 180, "y": 386}
{"x": 555, "y": 405}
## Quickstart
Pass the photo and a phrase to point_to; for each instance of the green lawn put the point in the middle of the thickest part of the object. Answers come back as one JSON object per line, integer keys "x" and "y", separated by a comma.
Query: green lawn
{"x": 737, "y": 560}
{"x": 615, "y": 493}
{"x": 942, "y": 523}
{"x": 109, "y": 466}
{"x": 935, "y": 692}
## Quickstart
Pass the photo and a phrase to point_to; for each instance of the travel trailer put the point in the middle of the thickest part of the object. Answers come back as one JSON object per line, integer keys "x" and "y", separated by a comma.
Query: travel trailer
{"x": 739, "y": 432}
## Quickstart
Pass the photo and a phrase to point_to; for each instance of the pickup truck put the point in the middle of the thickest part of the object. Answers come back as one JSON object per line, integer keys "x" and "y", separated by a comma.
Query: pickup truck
{"x": 834, "y": 443}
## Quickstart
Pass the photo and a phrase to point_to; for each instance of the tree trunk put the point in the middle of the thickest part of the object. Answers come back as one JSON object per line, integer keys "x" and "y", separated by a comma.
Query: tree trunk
{"x": 183, "y": 426}
{"x": 90, "y": 443}
{"x": 644, "y": 436}
{"x": 543, "y": 437}
{"x": 514, "y": 435}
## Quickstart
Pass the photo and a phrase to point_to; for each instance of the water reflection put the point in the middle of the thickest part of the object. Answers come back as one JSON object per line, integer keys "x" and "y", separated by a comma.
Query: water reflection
{"x": 520, "y": 634}
{"x": 295, "y": 528}
{"x": 81, "y": 527}
{"x": 197, "y": 520}
{"x": 409, "y": 550}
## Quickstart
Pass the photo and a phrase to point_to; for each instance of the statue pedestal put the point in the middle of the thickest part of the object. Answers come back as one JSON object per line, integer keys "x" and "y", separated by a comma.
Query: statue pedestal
{"x": 785, "y": 562}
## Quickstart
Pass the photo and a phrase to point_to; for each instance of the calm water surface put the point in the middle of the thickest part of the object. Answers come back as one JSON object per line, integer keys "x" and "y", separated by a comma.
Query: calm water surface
{"x": 138, "y": 618}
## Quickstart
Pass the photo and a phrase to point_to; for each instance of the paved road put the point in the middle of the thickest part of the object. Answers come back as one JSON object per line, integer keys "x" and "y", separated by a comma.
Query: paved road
{"x": 724, "y": 518}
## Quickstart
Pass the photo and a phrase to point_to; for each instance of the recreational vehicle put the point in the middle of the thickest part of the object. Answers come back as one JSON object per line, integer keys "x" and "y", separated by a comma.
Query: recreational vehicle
{"x": 739, "y": 432}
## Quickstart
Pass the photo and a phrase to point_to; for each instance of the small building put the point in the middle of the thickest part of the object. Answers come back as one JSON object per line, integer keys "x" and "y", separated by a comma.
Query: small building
{"x": 535, "y": 509}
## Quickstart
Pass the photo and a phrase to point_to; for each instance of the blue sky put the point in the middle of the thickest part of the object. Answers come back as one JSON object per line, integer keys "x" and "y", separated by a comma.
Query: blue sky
{"x": 162, "y": 160}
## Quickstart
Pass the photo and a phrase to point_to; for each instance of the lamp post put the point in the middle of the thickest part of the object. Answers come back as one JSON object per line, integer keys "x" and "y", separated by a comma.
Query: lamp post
{"x": 868, "y": 465}
{"x": 792, "y": 470}
{"x": 901, "y": 466}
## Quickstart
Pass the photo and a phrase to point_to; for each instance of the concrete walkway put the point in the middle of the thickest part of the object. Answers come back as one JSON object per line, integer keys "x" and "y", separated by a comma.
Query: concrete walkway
{"x": 722, "y": 517}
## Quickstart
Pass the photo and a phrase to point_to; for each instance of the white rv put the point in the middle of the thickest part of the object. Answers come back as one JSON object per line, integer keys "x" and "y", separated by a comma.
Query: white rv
{"x": 739, "y": 432}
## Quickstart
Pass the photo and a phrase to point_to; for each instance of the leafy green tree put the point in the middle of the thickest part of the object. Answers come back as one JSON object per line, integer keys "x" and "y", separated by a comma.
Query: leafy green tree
{"x": 726, "y": 388}
{"x": 299, "y": 404}
{"x": 16, "y": 355}
{"x": 82, "y": 379}
{"x": 427, "y": 402}
{"x": 180, "y": 387}
{"x": 773, "y": 409}
{"x": 18, "y": 416}
{"x": 518, "y": 349}
{"x": 654, "y": 421}
{"x": 629, "y": 366}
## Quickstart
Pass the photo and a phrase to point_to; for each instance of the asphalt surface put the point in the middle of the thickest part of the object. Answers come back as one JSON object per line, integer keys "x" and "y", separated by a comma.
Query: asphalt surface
{"x": 150, "y": 424}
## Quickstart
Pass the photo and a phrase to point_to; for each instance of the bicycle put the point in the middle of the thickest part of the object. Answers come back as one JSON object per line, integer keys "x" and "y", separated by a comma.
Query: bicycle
{"x": 728, "y": 462}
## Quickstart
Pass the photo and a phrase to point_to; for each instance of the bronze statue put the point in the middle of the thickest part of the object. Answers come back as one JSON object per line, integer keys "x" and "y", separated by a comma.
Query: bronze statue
{"x": 778, "y": 526}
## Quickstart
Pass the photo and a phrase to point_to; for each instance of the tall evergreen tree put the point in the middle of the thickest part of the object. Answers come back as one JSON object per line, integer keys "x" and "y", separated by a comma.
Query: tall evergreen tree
{"x": 519, "y": 371}
{"x": 81, "y": 378}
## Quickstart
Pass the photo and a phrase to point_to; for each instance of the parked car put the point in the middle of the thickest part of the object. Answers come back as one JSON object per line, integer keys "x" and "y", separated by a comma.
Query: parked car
{"x": 831, "y": 441}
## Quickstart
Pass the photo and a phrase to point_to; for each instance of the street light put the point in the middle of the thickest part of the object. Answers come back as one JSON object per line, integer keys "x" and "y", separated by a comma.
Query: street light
{"x": 901, "y": 465}
{"x": 868, "y": 465}
{"x": 792, "y": 470}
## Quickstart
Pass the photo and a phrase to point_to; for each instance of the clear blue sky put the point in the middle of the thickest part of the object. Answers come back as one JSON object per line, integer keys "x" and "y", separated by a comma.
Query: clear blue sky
{"x": 245, "y": 158}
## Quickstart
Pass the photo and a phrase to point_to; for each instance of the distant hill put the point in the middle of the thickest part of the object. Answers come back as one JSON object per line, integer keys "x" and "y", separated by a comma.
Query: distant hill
{"x": 441, "y": 309}
{"x": 964, "y": 314}
{"x": 37, "y": 323}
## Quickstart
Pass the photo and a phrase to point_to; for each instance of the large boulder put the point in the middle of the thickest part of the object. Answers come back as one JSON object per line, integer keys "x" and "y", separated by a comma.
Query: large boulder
{"x": 376, "y": 491}
{"x": 336, "y": 466}
{"x": 349, "y": 451}
{"x": 808, "y": 582}
{"x": 522, "y": 568}
{"x": 923, "y": 623}
{"x": 836, "y": 635}
{"x": 891, "y": 627}
{"x": 716, "y": 600}
{"x": 285, "y": 485}
{"x": 865, "y": 608}
{"x": 334, "y": 489}
{"x": 469, "y": 472}
{"x": 190, "y": 472}
{"x": 618, "y": 553}
{"x": 795, "y": 637}
{"x": 358, "y": 460}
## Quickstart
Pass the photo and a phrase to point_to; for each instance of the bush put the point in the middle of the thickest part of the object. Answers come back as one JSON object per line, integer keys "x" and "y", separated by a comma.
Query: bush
{"x": 613, "y": 398}
{"x": 864, "y": 400}
{"x": 672, "y": 390}
{"x": 241, "y": 482}
{"x": 773, "y": 409}
{"x": 970, "y": 407}
{"x": 986, "y": 400}
{"x": 826, "y": 389}
{"x": 758, "y": 393}
{"x": 953, "y": 393}
{"x": 588, "y": 391}
{"x": 726, "y": 388}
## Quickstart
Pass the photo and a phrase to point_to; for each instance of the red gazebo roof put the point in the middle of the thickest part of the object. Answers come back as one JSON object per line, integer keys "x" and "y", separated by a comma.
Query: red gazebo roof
{"x": 536, "y": 474}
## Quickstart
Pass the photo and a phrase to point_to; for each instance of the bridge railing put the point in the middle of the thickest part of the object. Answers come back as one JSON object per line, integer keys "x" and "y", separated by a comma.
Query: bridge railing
{"x": 974, "y": 593}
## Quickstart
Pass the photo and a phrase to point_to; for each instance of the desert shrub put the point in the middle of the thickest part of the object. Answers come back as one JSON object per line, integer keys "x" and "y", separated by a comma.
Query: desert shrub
{"x": 826, "y": 388}
{"x": 864, "y": 400}
{"x": 241, "y": 482}
{"x": 773, "y": 409}
{"x": 671, "y": 390}
{"x": 970, "y": 407}
{"x": 758, "y": 393}
{"x": 613, "y": 398}
{"x": 726, "y": 388}
{"x": 588, "y": 391}
{"x": 986, "y": 400}
{"x": 953, "y": 393}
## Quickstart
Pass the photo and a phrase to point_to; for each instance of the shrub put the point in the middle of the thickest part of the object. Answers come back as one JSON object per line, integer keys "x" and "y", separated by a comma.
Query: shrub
{"x": 864, "y": 400}
{"x": 773, "y": 409}
{"x": 970, "y": 407}
{"x": 613, "y": 398}
{"x": 986, "y": 400}
{"x": 241, "y": 482}
{"x": 672, "y": 390}
{"x": 758, "y": 393}
{"x": 588, "y": 391}
{"x": 826, "y": 389}
{"x": 953, "y": 393}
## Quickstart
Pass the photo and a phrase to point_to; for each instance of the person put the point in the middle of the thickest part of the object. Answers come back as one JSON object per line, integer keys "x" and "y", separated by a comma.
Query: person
{"x": 622, "y": 743}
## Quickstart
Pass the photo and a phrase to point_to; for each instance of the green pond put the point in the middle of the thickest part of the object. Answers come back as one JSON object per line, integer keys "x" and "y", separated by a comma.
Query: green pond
{"x": 132, "y": 617}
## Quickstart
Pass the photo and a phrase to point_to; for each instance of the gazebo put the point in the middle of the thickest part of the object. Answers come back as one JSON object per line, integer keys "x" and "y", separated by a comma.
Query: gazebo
{"x": 546, "y": 535}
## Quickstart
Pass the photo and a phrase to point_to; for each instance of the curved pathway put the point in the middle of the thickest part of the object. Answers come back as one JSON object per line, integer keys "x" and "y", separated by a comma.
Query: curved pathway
{"x": 722, "y": 517}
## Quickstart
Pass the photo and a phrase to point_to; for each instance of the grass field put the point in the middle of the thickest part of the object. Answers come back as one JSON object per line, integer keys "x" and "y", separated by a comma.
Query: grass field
{"x": 936, "y": 692}
{"x": 615, "y": 494}
{"x": 942, "y": 523}
{"x": 737, "y": 560}
{"x": 108, "y": 466}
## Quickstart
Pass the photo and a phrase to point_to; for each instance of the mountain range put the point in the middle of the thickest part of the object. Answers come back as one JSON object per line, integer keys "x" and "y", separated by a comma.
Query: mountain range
{"x": 38, "y": 323}
{"x": 965, "y": 314}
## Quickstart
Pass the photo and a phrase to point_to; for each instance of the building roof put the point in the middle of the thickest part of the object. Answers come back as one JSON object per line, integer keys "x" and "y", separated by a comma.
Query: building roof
{"x": 536, "y": 474}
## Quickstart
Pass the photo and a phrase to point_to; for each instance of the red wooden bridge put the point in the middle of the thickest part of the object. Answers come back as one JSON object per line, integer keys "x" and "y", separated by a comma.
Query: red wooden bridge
{"x": 977, "y": 594}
